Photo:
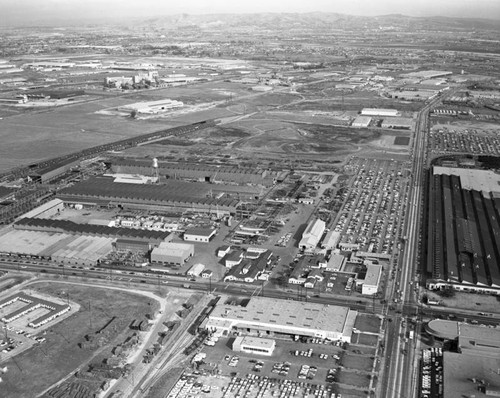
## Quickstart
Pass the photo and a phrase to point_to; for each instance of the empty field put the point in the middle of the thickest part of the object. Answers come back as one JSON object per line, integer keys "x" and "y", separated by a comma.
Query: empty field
{"x": 44, "y": 364}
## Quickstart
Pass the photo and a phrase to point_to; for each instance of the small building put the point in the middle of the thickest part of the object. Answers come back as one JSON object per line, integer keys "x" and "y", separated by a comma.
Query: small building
{"x": 310, "y": 282}
{"x": 207, "y": 274}
{"x": 223, "y": 251}
{"x": 196, "y": 270}
{"x": 199, "y": 234}
{"x": 335, "y": 263}
{"x": 254, "y": 345}
{"x": 172, "y": 253}
{"x": 362, "y": 121}
{"x": 233, "y": 258}
{"x": 370, "y": 284}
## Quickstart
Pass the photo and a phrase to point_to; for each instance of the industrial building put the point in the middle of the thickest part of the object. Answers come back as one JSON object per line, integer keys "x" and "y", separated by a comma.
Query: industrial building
{"x": 379, "y": 112}
{"x": 464, "y": 230}
{"x": 169, "y": 253}
{"x": 254, "y": 345}
{"x": 152, "y": 107}
{"x": 312, "y": 235}
{"x": 53, "y": 170}
{"x": 173, "y": 195}
{"x": 46, "y": 210}
{"x": 400, "y": 123}
{"x": 331, "y": 240}
{"x": 274, "y": 317}
{"x": 362, "y": 121}
{"x": 199, "y": 171}
{"x": 69, "y": 227}
{"x": 199, "y": 234}
{"x": 196, "y": 270}
{"x": 59, "y": 247}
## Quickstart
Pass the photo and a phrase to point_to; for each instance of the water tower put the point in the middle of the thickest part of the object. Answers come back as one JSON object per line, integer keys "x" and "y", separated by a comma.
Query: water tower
{"x": 154, "y": 169}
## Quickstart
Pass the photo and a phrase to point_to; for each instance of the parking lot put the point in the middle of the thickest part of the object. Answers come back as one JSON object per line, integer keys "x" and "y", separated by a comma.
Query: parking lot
{"x": 304, "y": 368}
{"x": 373, "y": 205}
{"x": 454, "y": 139}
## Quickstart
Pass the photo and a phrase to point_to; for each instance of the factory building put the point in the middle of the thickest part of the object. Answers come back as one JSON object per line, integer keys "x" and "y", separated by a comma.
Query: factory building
{"x": 379, "y": 112}
{"x": 60, "y": 247}
{"x": 274, "y": 317}
{"x": 50, "y": 172}
{"x": 198, "y": 171}
{"x": 464, "y": 231}
{"x": 46, "y": 210}
{"x": 312, "y": 235}
{"x": 152, "y": 107}
{"x": 173, "y": 195}
{"x": 169, "y": 253}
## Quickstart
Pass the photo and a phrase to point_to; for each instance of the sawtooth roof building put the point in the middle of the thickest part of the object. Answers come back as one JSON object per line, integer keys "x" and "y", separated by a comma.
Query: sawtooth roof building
{"x": 198, "y": 171}
{"x": 464, "y": 230}
{"x": 102, "y": 191}
{"x": 268, "y": 316}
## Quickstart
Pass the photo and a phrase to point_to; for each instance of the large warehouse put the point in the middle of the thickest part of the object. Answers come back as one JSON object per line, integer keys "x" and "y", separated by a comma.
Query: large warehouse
{"x": 63, "y": 248}
{"x": 268, "y": 316}
{"x": 169, "y": 253}
{"x": 198, "y": 171}
{"x": 102, "y": 191}
{"x": 312, "y": 235}
{"x": 464, "y": 230}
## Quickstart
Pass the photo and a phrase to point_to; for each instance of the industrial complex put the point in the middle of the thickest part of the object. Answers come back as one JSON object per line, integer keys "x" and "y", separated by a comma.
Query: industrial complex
{"x": 464, "y": 233}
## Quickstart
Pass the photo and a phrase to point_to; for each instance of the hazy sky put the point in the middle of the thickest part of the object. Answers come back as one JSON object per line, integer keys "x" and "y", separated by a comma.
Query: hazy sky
{"x": 15, "y": 11}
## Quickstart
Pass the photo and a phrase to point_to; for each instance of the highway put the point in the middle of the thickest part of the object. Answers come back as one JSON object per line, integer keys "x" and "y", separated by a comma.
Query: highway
{"x": 401, "y": 355}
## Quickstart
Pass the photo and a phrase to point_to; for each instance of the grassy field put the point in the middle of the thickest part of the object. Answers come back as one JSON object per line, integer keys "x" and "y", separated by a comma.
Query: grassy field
{"x": 357, "y": 362}
{"x": 38, "y": 368}
{"x": 367, "y": 339}
{"x": 367, "y": 323}
{"x": 354, "y": 379}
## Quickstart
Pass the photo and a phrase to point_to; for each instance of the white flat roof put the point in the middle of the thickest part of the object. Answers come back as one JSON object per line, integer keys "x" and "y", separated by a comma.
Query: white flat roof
{"x": 285, "y": 313}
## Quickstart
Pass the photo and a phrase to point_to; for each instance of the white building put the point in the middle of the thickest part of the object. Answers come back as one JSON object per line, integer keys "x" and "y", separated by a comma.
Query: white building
{"x": 370, "y": 284}
{"x": 283, "y": 317}
{"x": 312, "y": 235}
{"x": 254, "y": 345}
{"x": 196, "y": 270}
{"x": 379, "y": 112}
{"x": 172, "y": 253}
{"x": 199, "y": 234}
{"x": 331, "y": 240}
{"x": 335, "y": 263}
{"x": 362, "y": 121}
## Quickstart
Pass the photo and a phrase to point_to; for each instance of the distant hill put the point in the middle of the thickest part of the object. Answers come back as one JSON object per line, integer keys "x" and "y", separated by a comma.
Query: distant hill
{"x": 319, "y": 21}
